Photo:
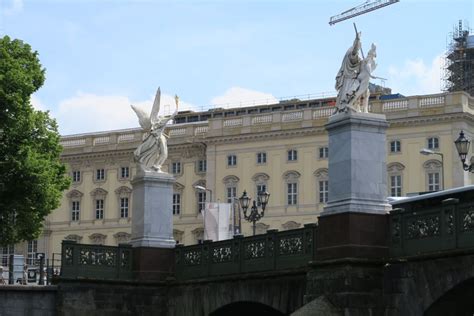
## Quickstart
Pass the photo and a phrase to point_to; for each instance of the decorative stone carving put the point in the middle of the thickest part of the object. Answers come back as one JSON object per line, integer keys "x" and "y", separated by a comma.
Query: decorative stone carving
{"x": 291, "y": 225}
{"x": 321, "y": 174}
{"x": 97, "y": 239}
{"x": 261, "y": 228}
{"x": 260, "y": 177}
{"x": 291, "y": 175}
{"x": 178, "y": 187}
{"x": 178, "y": 235}
{"x": 99, "y": 192}
{"x": 153, "y": 151}
{"x": 395, "y": 167}
{"x": 74, "y": 194}
{"x": 73, "y": 237}
{"x": 432, "y": 165}
{"x": 122, "y": 237}
{"x": 423, "y": 227}
{"x": 230, "y": 180}
{"x": 123, "y": 191}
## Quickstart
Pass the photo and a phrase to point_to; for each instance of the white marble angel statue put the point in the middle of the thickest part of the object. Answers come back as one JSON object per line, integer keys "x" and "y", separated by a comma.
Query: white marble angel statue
{"x": 153, "y": 151}
{"x": 352, "y": 80}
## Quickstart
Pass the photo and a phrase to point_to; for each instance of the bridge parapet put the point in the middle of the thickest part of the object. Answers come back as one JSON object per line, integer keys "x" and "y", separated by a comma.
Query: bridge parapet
{"x": 433, "y": 223}
{"x": 96, "y": 262}
{"x": 268, "y": 252}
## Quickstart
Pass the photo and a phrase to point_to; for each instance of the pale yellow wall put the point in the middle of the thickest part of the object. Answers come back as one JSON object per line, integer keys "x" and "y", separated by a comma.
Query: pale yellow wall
{"x": 412, "y": 125}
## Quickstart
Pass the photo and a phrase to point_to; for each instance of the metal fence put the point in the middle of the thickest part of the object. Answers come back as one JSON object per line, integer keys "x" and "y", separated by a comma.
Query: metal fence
{"x": 15, "y": 269}
{"x": 423, "y": 230}
{"x": 80, "y": 261}
{"x": 268, "y": 252}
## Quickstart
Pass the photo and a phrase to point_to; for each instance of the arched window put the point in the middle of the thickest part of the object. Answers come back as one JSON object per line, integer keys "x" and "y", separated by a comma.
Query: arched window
{"x": 291, "y": 179}
{"x": 124, "y": 195}
{"x": 75, "y": 198}
{"x": 322, "y": 184}
{"x": 230, "y": 183}
{"x": 433, "y": 171}
{"x": 98, "y": 202}
{"x": 395, "y": 178}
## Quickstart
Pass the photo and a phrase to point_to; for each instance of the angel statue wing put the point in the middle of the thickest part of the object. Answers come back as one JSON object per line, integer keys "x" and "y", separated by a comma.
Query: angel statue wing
{"x": 143, "y": 118}
{"x": 156, "y": 107}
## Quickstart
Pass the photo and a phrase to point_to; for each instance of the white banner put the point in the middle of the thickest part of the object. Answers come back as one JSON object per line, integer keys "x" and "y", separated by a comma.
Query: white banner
{"x": 217, "y": 221}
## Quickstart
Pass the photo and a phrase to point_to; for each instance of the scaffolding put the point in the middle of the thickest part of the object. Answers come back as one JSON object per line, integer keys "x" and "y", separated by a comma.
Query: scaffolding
{"x": 361, "y": 9}
{"x": 458, "y": 68}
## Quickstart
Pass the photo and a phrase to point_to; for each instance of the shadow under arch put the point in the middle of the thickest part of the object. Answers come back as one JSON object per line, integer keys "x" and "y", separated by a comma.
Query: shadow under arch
{"x": 246, "y": 308}
{"x": 457, "y": 301}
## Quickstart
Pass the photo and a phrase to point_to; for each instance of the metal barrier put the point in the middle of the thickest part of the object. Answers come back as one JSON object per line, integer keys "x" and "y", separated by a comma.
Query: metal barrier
{"x": 268, "y": 252}
{"x": 79, "y": 261}
{"x": 425, "y": 230}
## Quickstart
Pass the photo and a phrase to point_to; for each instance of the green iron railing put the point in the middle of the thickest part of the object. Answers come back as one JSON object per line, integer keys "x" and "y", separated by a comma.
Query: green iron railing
{"x": 80, "y": 261}
{"x": 446, "y": 227}
{"x": 268, "y": 252}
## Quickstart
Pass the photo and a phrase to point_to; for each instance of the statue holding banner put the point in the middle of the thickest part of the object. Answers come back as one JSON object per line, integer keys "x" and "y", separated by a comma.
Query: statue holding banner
{"x": 352, "y": 80}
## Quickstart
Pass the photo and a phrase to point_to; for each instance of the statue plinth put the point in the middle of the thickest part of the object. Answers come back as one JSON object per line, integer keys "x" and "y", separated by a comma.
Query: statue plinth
{"x": 357, "y": 163}
{"x": 354, "y": 223}
{"x": 152, "y": 221}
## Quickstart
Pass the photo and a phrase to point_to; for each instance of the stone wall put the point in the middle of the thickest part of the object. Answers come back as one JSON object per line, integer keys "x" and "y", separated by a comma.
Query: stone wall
{"x": 27, "y": 300}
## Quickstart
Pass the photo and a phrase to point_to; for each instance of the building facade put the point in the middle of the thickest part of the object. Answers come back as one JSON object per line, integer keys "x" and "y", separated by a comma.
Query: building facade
{"x": 280, "y": 148}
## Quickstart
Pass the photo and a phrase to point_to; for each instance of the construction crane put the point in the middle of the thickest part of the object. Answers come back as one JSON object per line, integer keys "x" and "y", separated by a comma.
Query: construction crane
{"x": 361, "y": 9}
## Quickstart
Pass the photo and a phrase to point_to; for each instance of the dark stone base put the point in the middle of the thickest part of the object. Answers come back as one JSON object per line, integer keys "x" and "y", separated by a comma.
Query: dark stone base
{"x": 153, "y": 264}
{"x": 352, "y": 235}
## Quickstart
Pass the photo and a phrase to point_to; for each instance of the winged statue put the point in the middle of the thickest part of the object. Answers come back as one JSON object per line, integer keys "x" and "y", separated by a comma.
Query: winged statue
{"x": 153, "y": 151}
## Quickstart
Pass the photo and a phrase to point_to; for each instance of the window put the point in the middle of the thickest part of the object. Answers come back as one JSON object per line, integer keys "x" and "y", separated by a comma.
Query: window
{"x": 99, "y": 209}
{"x": 261, "y": 158}
{"x": 433, "y": 181}
{"x": 395, "y": 146}
{"x": 76, "y": 176}
{"x": 322, "y": 182}
{"x": 323, "y": 191}
{"x": 396, "y": 185}
{"x": 124, "y": 207}
{"x": 231, "y": 160}
{"x": 100, "y": 174}
{"x": 292, "y": 155}
{"x": 176, "y": 167}
{"x": 5, "y": 252}
{"x": 176, "y": 203}
{"x": 292, "y": 191}
{"x": 433, "y": 143}
{"x": 124, "y": 172}
{"x": 202, "y": 165}
{"x": 231, "y": 194}
{"x": 75, "y": 210}
{"x": 433, "y": 169}
{"x": 31, "y": 253}
{"x": 323, "y": 152}
{"x": 261, "y": 188}
{"x": 201, "y": 196}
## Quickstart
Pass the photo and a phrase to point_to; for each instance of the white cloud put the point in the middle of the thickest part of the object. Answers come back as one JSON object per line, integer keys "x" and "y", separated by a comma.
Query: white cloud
{"x": 416, "y": 77}
{"x": 237, "y": 96}
{"x": 86, "y": 112}
{"x": 13, "y": 7}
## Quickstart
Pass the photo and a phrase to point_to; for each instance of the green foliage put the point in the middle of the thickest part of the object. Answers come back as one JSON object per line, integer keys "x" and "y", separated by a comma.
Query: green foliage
{"x": 32, "y": 176}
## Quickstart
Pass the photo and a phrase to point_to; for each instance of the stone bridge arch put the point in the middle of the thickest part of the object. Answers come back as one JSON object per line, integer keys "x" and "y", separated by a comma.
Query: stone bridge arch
{"x": 431, "y": 285}
{"x": 246, "y": 308}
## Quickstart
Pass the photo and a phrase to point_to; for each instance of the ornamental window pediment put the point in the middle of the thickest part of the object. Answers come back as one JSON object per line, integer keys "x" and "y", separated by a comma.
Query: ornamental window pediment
{"x": 73, "y": 237}
{"x": 230, "y": 180}
{"x": 260, "y": 177}
{"x": 432, "y": 165}
{"x": 122, "y": 237}
{"x": 291, "y": 175}
{"x": 395, "y": 167}
{"x": 74, "y": 194}
{"x": 321, "y": 174}
{"x": 123, "y": 191}
{"x": 291, "y": 225}
{"x": 97, "y": 238}
{"x": 99, "y": 192}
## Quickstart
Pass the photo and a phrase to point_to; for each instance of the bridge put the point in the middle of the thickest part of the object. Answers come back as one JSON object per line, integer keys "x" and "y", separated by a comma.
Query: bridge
{"x": 423, "y": 265}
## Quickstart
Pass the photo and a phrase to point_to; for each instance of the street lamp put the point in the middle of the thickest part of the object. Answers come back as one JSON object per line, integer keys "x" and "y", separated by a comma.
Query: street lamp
{"x": 428, "y": 152}
{"x": 201, "y": 188}
{"x": 254, "y": 215}
{"x": 462, "y": 146}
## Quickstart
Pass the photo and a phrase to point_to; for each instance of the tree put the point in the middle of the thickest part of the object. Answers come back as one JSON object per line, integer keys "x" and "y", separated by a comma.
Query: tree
{"x": 32, "y": 176}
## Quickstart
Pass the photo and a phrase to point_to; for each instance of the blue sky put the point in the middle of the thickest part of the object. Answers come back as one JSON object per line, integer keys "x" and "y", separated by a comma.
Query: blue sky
{"x": 100, "y": 56}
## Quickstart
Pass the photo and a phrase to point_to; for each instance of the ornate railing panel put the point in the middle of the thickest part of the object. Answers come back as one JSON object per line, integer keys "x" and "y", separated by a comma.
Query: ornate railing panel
{"x": 81, "y": 261}
{"x": 424, "y": 229}
{"x": 268, "y": 252}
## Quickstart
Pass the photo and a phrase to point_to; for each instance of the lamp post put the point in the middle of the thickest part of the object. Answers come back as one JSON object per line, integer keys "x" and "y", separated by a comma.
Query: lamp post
{"x": 201, "y": 188}
{"x": 428, "y": 152}
{"x": 254, "y": 215}
{"x": 462, "y": 146}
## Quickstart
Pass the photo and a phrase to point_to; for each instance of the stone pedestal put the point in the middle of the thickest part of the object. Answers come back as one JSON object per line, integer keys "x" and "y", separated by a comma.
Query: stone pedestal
{"x": 152, "y": 226}
{"x": 357, "y": 164}
{"x": 152, "y": 221}
{"x": 354, "y": 222}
